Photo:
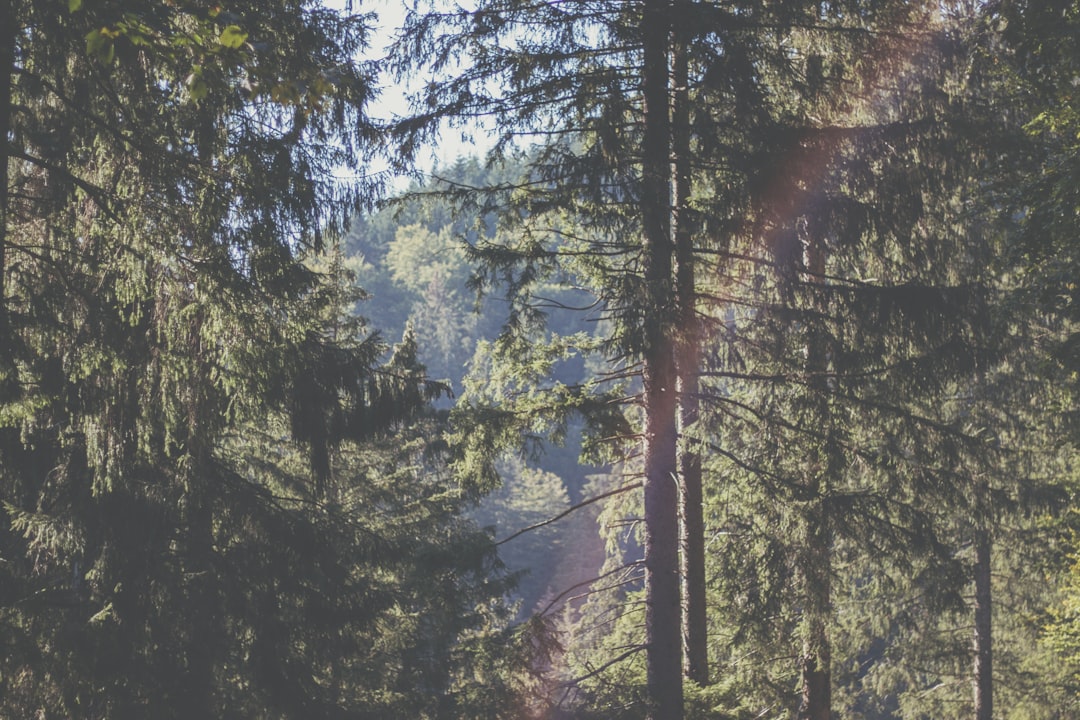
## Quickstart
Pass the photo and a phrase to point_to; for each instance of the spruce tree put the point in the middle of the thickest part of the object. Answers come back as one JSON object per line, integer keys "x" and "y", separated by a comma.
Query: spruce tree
{"x": 845, "y": 316}
{"x": 832, "y": 170}
{"x": 204, "y": 518}
{"x": 538, "y": 70}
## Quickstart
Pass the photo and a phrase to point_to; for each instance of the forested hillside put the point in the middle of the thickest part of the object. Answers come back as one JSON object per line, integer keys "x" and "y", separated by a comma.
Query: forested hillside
{"x": 411, "y": 260}
{"x": 738, "y": 380}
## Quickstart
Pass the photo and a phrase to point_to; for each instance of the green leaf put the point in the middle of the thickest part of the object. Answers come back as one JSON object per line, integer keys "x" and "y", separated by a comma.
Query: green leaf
{"x": 74, "y": 5}
{"x": 94, "y": 40}
{"x": 106, "y": 614}
{"x": 99, "y": 44}
{"x": 232, "y": 36}
{"x": 196, "y": 86}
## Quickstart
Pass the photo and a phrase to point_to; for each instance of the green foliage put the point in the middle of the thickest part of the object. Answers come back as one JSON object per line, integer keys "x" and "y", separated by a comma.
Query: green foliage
{"x": 415, "y": 268}
{"x": 1039, "y": 57}
{"x": 527, "y": 496}
{"x": 418, "y": 257}
{"x": 1063, "y": 627}
{"x": 226, "y": 496}
{"x": 441, "y": 316}
{"x": 868, "y": 369}
{"x": 223, "y": 496}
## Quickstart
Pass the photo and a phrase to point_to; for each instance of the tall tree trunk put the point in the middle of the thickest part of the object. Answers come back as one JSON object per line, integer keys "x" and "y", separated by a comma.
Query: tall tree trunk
{"x": 816, "y": 657}
{"x": 8, "y": 34}
{"x": 816, "y": 561}
{"x": 984, "y": 656}
{"x": 9, "y": 382}
{"x": 663, "y": 638}
{"x": 692, "y": 524}
{"x": 204, "y": 632}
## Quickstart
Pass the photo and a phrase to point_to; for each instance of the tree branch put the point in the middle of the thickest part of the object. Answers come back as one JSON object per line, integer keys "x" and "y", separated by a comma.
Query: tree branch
{"x": 605, "y": 666}
{"x": 569, "y": 510}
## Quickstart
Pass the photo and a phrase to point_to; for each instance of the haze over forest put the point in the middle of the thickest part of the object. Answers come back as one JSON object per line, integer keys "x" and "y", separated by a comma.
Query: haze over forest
{"x": 732, "y": 373}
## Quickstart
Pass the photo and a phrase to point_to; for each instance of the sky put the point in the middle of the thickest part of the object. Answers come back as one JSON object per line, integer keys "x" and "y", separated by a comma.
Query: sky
{"x": 392, "y": 102}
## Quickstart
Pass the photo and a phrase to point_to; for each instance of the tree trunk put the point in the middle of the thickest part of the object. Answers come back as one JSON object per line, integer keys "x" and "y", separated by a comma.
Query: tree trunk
{"x": 204, "y": 633}
{"x": 692, "y": 525}
{"x": 816, "y": 562}
{"x": 662, "y": 607}
{"x": 816, "y": 657}
{"x": 7, "y": 68}
{"x": 984, "y": 675}
{"x": 9, "y": 380}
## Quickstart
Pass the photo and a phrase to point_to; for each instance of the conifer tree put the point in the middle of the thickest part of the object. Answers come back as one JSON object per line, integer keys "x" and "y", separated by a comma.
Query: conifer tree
{"x": 203, "y": 510}
{"x": 538, "y": 70}
{"x": 832, "y": 168}
{"x": 841, "y": 366}
{"x": 592, "y": 78}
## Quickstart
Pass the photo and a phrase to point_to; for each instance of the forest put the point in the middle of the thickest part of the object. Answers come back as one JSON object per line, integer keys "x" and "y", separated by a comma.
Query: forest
{"x": 730, "y": 373}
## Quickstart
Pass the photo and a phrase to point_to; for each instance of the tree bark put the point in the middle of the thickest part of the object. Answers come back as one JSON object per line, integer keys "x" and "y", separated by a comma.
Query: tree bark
{"x": 662, "y": 606}
{"x": 692, "y": 524}
{"x": 816, "y": 562}
{"x": 9, "y": 379}
{"x": 204, "y": 632}
{"x": 8, "y": 35}
{"x": 816, "y": 657}
{"x": 984, "y": 657}
{"x": 203, "y": 647}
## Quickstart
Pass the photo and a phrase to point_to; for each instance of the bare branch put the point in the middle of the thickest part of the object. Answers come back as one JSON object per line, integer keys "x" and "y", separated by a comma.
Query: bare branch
{"x": 605, "y": 666}
{"x": 569, "y": 510}
{"x": 575, "y": 586}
